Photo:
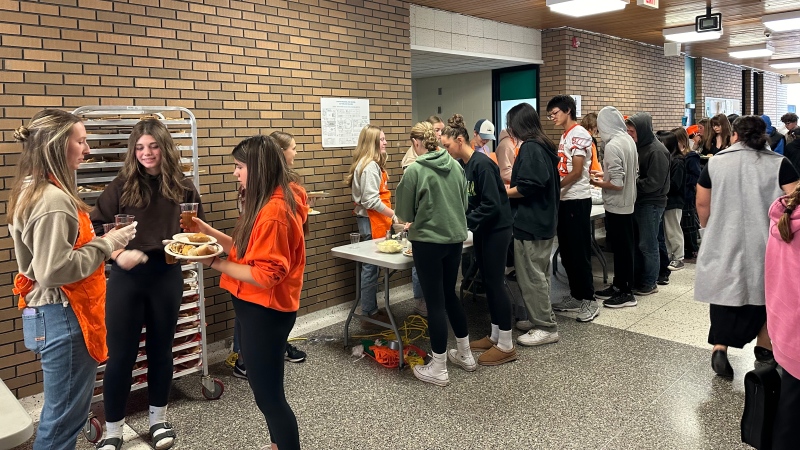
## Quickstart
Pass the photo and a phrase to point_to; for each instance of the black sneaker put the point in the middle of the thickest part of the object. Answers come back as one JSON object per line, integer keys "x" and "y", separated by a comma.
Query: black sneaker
{"x": 620, "y": 301}
{"x": 645, "y": 290}
{"x": 663, "y": 280}
{"x": 239, "y": 370}
{"x": 293, "y": 354}
{"x": 607, "y": 293}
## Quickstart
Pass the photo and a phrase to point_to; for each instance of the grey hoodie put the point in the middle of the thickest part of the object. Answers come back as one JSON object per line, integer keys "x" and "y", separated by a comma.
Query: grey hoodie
{"x": 652, "y": 185}
{"x": 620, "y": 163}
{"x": 366, "y": 189}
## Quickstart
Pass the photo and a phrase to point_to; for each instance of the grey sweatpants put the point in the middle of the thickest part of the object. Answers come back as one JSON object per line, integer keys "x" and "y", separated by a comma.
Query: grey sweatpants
{"x": 533, "y": 264}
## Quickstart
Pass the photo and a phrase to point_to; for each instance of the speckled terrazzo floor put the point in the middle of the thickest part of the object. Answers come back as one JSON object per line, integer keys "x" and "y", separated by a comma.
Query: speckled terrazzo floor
{"x": 636, "y": 378}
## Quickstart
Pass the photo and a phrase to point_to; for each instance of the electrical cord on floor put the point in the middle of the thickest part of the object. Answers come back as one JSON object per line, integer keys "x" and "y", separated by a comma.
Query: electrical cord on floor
{"x": 415, "y": 327}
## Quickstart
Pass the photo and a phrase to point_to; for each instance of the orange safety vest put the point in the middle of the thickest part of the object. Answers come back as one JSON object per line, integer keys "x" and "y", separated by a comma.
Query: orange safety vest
{"x": 87, "y": 297}
{"x": 595, "y": 163}
{"x": 379, "y": 223}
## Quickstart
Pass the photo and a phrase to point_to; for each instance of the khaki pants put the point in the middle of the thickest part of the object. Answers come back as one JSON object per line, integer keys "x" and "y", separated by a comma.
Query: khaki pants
{"x": 533, "y": 264}
{"x": 674, "y": 234}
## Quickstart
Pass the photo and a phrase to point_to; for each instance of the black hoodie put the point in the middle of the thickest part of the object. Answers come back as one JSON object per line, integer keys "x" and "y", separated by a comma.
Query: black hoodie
{"x": 653, "y": 183}
{"x": 488, "y": 208}
{"x": 535, "y": 175}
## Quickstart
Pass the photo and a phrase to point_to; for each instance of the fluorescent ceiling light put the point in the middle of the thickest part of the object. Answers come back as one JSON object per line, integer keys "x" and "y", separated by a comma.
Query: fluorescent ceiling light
{"x": 688, "y": 34}
{"x": 785, "y": 63}
{"x": 752, "y": 51}
{"x": 782, "y": 22}
{"x": 581, "y": 8}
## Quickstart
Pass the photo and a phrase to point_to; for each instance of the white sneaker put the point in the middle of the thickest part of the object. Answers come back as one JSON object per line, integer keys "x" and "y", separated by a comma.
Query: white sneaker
{"x": 430, "y": 374}
{"x": 466, "y": 361}
{"x": 537, "y": 337}
{"x": 568, "y": 303}
{"x": 524, "y": 325}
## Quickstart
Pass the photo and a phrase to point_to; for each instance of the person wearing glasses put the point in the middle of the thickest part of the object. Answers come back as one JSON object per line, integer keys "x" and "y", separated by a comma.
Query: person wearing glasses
{"x": 575, "y": 208}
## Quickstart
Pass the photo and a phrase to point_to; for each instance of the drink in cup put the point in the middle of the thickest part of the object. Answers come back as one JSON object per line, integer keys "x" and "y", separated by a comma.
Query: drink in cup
{"x": 188, "y": 211}
{"x": 108, "y": 227}
{"x": 121, "y": 220}
{"x": 355, "y": 238}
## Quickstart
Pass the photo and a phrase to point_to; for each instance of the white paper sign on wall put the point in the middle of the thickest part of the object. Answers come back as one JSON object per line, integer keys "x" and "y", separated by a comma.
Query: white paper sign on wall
{"x": 342, "y": 120}
{"x": 578, "y": 99}
{"x": 652, "y": 4}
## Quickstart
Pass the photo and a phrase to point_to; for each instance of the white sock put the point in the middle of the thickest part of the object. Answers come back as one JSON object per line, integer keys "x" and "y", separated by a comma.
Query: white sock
{"x": 495, "y": 333}
{"x": 114, "y": 429}
{"x": 158, "y": 414}
{"x": 504, "y": 341}
{"x": 462, "y": 344}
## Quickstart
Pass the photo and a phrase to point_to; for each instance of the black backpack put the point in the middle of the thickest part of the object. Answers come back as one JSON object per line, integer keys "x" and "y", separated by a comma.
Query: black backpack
{"x": 762, "y": 389}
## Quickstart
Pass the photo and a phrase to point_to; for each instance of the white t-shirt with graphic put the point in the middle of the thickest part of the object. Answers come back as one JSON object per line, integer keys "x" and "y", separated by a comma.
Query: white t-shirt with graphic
{"x": 575, "y": 142}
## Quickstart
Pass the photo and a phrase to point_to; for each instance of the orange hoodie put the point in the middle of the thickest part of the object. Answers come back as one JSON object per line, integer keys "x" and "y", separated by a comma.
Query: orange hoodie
{"x": 276, "y": 253}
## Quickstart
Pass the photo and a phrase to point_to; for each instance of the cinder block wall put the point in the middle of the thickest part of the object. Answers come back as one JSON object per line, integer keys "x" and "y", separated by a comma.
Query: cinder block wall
{"x": 242, "y": 67}
{"x": 716, "y": 79}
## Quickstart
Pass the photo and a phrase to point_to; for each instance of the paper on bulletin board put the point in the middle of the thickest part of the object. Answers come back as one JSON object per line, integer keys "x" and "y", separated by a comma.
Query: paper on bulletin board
{"x": 342, "y": 120}
{"x": 725, "y": 106}
{"x": 578, "y": 99}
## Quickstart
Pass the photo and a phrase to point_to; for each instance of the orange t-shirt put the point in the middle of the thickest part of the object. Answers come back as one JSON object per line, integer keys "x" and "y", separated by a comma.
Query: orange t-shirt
{"x": 276, "y": 254}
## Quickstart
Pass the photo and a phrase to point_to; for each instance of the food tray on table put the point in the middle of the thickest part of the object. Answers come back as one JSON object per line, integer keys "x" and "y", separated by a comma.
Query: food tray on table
{"x": 180, "y": 250}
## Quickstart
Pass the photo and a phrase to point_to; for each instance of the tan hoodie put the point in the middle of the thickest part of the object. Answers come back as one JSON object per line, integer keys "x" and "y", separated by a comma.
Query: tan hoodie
{"x": 506, "y": 153}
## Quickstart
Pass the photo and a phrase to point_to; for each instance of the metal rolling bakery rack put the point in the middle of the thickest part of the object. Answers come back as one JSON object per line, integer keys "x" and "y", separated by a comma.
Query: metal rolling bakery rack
{"x": 108, "y": 129}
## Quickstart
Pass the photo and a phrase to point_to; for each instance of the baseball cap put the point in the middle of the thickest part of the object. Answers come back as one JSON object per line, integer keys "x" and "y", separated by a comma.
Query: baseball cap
{"x": 692, "y": 129}
{"x": 485, "y": 129}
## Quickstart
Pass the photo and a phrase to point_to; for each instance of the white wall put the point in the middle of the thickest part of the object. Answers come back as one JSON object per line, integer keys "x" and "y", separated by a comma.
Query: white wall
{"x": 468, "y": 94}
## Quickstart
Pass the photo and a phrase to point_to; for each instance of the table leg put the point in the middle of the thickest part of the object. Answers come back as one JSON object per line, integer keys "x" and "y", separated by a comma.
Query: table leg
{"x": 386, "y": 276}
{"x": 355, "y": 305}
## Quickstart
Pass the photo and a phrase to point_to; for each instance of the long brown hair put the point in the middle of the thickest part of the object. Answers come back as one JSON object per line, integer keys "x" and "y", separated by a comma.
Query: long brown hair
{"x": 785, "y": 222}
{"x": 711, "y": 138}
{"x": 43, "y": 161}
{"x": 136, "y": 190}
{"x": 266, "y": 172}
{"x": 367, "y": 150}
{"x": 683, "y": 139}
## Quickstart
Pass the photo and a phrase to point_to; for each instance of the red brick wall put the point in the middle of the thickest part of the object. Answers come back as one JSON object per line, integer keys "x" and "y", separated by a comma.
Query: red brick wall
{"x": 242, "y": 67}
{"x": 607, "y": 71}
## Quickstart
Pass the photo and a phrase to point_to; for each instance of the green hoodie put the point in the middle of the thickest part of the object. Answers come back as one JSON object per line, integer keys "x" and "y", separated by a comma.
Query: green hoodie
{"x": 433, "y": 195}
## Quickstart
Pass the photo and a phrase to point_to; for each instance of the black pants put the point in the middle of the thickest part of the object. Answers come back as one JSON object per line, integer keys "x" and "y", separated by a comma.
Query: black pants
{"x": 491, "y": 261}
{"x": 575, "y": 246}
{"x": 690, "y": 224}
{"x": 663, "y": 255}
{"x": 149, "y": 295}
{"x": 619, "y": 234}
{"x": 787, "y": 419}
{"x": 264, "y": 332}
{"x": 437, "y": 269}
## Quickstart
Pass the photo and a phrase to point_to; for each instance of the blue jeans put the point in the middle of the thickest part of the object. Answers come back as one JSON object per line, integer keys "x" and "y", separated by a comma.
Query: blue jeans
{"x": 648, "y": 221}
{"x": 415, "y": 286}
{"x": 369, "y": 273}
{"x": 69, "y": 374}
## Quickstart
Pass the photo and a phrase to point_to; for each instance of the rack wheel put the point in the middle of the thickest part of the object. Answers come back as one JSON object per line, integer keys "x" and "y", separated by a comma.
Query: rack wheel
{"x": 216, "y": 393}
{"x": 93, "y": 430}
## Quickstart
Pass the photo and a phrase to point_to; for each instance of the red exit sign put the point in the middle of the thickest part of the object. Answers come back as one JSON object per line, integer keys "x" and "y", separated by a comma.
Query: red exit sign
{"x": 652, "y": 4}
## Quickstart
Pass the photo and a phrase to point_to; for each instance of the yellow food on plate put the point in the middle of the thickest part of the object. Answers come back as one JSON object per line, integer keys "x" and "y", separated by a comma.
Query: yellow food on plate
{"x": 390, "y": 246}
{"x": 199, "y": 238}
{"x": 203, "y": 250}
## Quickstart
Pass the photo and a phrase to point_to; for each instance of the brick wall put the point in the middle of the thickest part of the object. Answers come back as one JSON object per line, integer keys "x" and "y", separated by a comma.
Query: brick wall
{"x": 774, "y": 103}
{"x": 242, "y": 67}
{"x": 715, "y": 79}
{"x": 607, "y": 71}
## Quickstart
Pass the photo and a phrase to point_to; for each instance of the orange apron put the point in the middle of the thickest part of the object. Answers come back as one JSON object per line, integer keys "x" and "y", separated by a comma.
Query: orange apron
{"x": 379, "y": 223}
{"x": 87, "y": 297}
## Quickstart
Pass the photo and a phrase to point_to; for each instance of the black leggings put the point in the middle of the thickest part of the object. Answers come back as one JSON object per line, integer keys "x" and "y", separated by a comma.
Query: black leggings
{"x": 491, "y": 261}
{"x": 263, "y": 343}
{"x": 787, "y": 419}
{"x": 150, "y": 295}
{"x": 437, "y": 269}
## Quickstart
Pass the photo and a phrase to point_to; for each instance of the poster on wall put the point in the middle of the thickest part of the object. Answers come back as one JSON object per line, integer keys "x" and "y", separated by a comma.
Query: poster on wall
{"x": 342, "y": 120}
{"x": 725, "y": 106}
{"x": 578, "y": 100}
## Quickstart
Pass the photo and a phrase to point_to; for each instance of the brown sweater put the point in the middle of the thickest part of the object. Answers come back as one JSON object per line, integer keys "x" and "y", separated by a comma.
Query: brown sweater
{"x": 158, "y": 220}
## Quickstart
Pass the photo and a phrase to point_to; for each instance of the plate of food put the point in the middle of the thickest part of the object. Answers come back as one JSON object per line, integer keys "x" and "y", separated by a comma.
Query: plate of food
{"x": 192, "y": 251}
{"x": 390, "y": 246}
{"x": 194, "y": 238}
{"x": 408, "y": 252}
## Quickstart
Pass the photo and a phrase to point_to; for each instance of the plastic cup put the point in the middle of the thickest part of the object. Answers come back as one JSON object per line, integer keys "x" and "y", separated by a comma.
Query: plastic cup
{"x": 120, "y": 220}
{"x": 355, "y": 238}
{"x": 108, "y": 227}
{"x": 188, "y": 211}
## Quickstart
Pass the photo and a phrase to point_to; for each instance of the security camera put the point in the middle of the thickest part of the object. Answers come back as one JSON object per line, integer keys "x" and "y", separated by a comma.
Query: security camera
{"x": 767, "y": 34}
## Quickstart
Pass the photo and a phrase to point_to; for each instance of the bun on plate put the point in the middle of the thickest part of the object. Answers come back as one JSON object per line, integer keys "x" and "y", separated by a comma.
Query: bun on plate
{"x": 199, "y": 238}
{"x": 203, "y": 250}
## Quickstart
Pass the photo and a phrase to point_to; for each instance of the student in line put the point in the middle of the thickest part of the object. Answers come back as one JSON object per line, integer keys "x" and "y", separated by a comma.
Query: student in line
{"x": 534, "y": 193}
{"x": 676, "y": 198}
{"x": 432, "y": 196}
{"x": 689, "y": 222}
{"x": 264, "y": 274}
{"x": 489, "y": 219}
{"x": 61, "y": 281}
{"x": 719, "y": 137}
{"x": 482, "y": 134}
{"x": 143, "y": 289}
{"x": 618, "y": 181}
{"x": 574, "y": 225}
{"x": 374, "y": 214}
{"x": 413, "y": 152}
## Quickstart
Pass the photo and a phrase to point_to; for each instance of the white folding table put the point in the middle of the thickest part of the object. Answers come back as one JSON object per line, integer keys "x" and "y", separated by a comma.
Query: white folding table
{"x": 17, "y": 425}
